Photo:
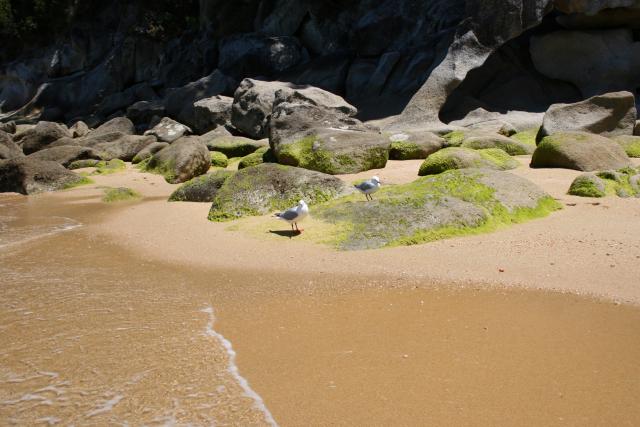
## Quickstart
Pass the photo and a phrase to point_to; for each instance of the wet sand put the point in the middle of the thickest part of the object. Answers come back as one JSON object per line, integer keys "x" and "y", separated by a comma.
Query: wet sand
{"x": 104, "y": 324}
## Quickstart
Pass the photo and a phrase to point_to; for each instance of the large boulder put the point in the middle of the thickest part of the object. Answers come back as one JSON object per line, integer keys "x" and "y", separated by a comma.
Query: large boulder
{"x": 622, "y": 183}
{"x": 210, "y": 113}
{"x": 464, "y": 158}
{"x": 148, "y": 151}
{"x": 270, "y": 187}
{"x": 234, "y": 146}
{"x": 512, "y": 146}
{"x": 38, "y": 137}
{"x": 65, "y": 155}
{"x": 252, "y": 106}
{"x": 168, "y": 130}
{"x": 142, "y": 112}
{"x": 30, "y": 176}
{"x": 202, "y": 188}
{"x": 117, "y": 145}
{"x": 454, "y": 203}
{"x": 609, "y": 115}
{"x": 580, "y": 151}
{"x": 118, "y": 124}
{"x": 630, "y": 144}
{"x": 186, "y": 158}
{"x": 414, "y": 145}
{"x": 8, "y": 148}
{"x": 636, "y": 129}
{"x": 594, "y": 61}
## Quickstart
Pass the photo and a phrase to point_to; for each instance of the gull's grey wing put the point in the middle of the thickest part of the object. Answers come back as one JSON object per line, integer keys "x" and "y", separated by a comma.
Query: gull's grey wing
{"x": 289, "y": 214}
{"x": 366, "y": 185}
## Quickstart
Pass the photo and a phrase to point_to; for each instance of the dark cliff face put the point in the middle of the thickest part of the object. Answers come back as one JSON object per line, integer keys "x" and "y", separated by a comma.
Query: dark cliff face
{"x": 91, "y": 59}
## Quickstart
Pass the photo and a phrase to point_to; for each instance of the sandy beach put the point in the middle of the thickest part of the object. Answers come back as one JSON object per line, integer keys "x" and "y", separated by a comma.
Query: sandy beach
{"x": 448, "y": 333}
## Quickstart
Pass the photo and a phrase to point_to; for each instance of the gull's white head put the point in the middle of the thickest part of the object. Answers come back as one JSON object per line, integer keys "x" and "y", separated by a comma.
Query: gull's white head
{"x": 302, "y": 203}
{"x": 376, "y": 180}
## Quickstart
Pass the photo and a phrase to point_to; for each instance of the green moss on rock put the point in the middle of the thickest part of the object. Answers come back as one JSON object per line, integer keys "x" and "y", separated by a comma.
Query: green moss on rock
{"x": 109, "y": 167}
{"x": 262, "y": 155}
{"x": 527, "y": 136}
{"x": 621, "y": 183}
{"x": 455, "y": 138}
{"x": 79, "y": 164}
{"x": 463, "y": 158}
{"x": 588, "y": 185}
{"x": 630, "y": 144}
{"x": 219, "y": 159}
{"x": 120, "y": 194}
{"x": 202, "y": 188}
{"x": 82, "y": 181}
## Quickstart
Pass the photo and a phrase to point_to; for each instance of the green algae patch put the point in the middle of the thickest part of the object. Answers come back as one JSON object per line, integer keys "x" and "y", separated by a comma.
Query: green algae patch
{"x": 261, "y": 155}
{"x": 630, "y": 144}
{"x": 219, "y": 159}
{"x": 464, "y": 158}
{"x": 87, "y": 163}
{"x": 83, "y": 180}
{"x": 455, "y": 138}
{"x": 453, "y": 203}
{"x": 120, "y": 194}
{"x": 303, "y": 154}
{"x": 108, "y": 167}
{"x": 167, "y": 169}
{"x": 588, "y": 185}
{"x": 526, "y": 136}
{"x": 621, "y": 183}
{"x": 401, "y": 150}
{"x": 202, "y": 188}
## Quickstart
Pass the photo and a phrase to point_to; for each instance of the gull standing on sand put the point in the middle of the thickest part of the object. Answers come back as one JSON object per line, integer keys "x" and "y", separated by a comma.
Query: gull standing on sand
{"x": 294, "y": 215}
{"x": 369, "y": 187}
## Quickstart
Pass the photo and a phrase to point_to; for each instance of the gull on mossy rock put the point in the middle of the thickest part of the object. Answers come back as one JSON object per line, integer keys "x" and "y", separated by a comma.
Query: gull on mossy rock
{"x": 294, "y": 215}
{"x": 369, "y": 187}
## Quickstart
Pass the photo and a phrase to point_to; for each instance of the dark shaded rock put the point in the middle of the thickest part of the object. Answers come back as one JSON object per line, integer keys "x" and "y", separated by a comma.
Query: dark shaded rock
{"x": 117, "y": 145}
{"x": 65, "y": 155}
{"x": 209, "y": 113}
{"x": 149, "y": 151}
{"x": 30, "y": 176}
{"x": 8, "y": 127}
{"x": 414, "y": 145}
{"x": 202, "y": 188}
{"x": 8, "y": 148}
{"x": 118, "y": 124}
{"x": 465, "y": 158}
{"x": 43, "y": 134}
{"x": 168, "y": 130}
{"x": 580, "y": 151}
{"x": 142, "y": 112}
{"x": 235, "y": 146}
{"x": 608, "y": 115}
{"x": 81, "y": 164}
{"x": 270, "y": 187}
{"x": 184, "y": 159}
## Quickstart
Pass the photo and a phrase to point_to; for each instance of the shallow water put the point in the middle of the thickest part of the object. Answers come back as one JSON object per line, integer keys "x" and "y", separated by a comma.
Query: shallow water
{"x": 92, "y": 334}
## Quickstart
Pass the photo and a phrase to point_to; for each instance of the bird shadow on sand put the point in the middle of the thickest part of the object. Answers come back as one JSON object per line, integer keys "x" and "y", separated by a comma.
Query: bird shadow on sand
{"x": 286, "y": 233}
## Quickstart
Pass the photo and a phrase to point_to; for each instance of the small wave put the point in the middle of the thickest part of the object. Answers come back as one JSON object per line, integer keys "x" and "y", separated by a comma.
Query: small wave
{"x": 106, "y": 406}
{"x": 235, "y": 372}
{"x": 16, "y": 235}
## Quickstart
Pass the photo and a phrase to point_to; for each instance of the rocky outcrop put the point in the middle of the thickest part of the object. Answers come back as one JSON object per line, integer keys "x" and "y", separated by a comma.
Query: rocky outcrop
{"x": 30, "y": 176}
{"x": 622, "y": 183}
{"x": 65, "y": 155}
{"x": 235, "y": 146}
{"x": 43, "y": 134}
{"x": 8, "y": 148}
{"x": 117, "y": 145}
{"x": 252, "y": 106}
{"x": 209, "y": 113}
{"x": 609, "y": 115}
{"x": 414, "y": 145}
{"x": 143, "y": 112}
{"x": 270, "y": 187}
{"x": 580, "y": 151}
{"x": 121, "y": 125}
{"x": 148, "y": 151}
{"x": 186, "y": 158}
{"x": 466, "y": 158}
{"x": 201, "y": 189}
{"x": 168, "y": 130}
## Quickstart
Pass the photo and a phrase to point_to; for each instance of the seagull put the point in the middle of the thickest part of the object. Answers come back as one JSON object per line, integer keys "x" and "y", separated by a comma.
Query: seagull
{"x": 294, "y": 215}
{"x": 369, "y": 187}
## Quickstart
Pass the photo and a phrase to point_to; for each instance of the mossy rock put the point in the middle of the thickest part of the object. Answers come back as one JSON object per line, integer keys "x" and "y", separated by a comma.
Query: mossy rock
{"x": 109, "y": 167}
{"x": 202, "y": 188}
{"x": 235, "y": 146}
{"x": 148, "y": 151}
{"x": 527, "y": 137}
{"x": 414, "y": 145}
{"x": 630, "y": 144}
{"x": 120, "y": 194}
{"x": 464, "y": 158}
{"x": 588, "y": 185}
{"x": 219, "y": 159}
{"x": 87, "y": 163}
{"x": 621, "y": 183}
{"x": 453, "y": 203}
{"x": 580, "y": 151}
{"x": 268, "y": 187}
{"x": 336, "y": 152}
{"x": 455, "y": 138}
{"x": 512, "y": 147}
{"x": 184, "y": 159}
{"x": 262, "y": 155}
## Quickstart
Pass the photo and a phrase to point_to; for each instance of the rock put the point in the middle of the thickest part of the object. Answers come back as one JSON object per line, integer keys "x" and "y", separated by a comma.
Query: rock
{"x": 179, "y": 101}
{"x": 30, "y": 176}
{"x": 43, "y": 134}
{"x": 453, "y": 203}
{"x": 215, "y": 133}
{"x": 66, "y": 142}
{"x": 634, "y": 182}
{"x": 270, "y": 187}
{"x": 210, "y": 113}
{"x": 235, "y": 146}
{"x": 620, "y": 17}
{"x": 80, "y": 164}
{"x": 594, "y": 61}
{"x": 8, "y": 148}
{"x": 179, "y": 162}
{"x": 314, "y": 96}
{"x": 142, "y": 112}
{"x": 608, "y": 115}
{"x": 636, "y": 129}
{"x": 414, "y": 145}
{"x": 79, "y": 129}
{"x": 591, "y": 7}
{"x": 148, "y": 151}
{"x": 465, "y": 158}
{"x": 65, "y": 155}
{"x": 117, "y": 145}
{"x": 8, "y": 127}
{"x": 168, "y": 130}
{"x": 587, "y": 185}
{"x": 580, "y": 151}
{"x": 255, "y": 55}
{"x": 630, "y": 144}
{"x": 487, "y": 140}
{"x": 118, "y": 124}
{"x": 252, "y": 106}
{"x": 218, "y": 159}
{"x": 202, "y": 188}
{"x": 261, "y": 155}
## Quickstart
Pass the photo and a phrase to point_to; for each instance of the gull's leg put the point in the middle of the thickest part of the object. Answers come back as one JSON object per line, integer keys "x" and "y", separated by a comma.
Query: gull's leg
{"x": 292, "y": 227}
